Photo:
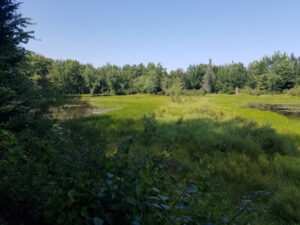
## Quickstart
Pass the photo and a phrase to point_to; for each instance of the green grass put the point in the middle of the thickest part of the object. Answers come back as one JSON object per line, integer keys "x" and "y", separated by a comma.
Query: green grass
{"x": 247, "y": 149}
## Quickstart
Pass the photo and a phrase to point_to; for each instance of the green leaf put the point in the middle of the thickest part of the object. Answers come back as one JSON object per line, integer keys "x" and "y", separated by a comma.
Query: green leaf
{"x": 109, "y": 175}
{"x": 101, "y": 193}
{"x": 138, "y": 190}
{"x": 163, "y": 198}
{"x": 156, "y": 190}
{"x": 141, "y": 174}
{"x": 84, "y": 213}
{"x": 164, "y": 206}
{"x": 154, "y": 198}
{"x": 131, "y": 200}
{"x": 72, "y": 193}
{"x": 135, "y": 222}
{"x": 97, "y": 221}
{"x": 192, "y": 189}
{"x": 148, "y": 180}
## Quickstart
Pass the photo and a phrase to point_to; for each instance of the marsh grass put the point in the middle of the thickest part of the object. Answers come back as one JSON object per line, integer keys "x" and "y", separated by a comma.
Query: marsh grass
{"x": 245, "y": 149}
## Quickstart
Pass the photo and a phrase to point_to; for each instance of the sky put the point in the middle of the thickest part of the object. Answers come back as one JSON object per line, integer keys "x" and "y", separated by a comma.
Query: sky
{"x": 175, "y": 33}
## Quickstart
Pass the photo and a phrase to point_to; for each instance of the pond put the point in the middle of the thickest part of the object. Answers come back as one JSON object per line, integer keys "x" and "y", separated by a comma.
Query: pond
{"x": 77, "y": 109}
{"x": 291, "y": 110}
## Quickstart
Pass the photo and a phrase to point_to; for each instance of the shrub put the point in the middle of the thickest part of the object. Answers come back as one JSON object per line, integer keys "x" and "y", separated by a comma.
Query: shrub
{"x": 251, "y": 91}
{"x": 193, "y": 92}
{"x": 295, "y": 91}
{"x": 80, "y": 186}
{"x": 285, "y": 205}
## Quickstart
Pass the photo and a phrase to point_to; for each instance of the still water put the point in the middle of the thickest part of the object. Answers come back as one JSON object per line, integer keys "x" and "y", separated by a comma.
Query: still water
{"x": 78, "y": 109}
{"x": 291, "y": 110}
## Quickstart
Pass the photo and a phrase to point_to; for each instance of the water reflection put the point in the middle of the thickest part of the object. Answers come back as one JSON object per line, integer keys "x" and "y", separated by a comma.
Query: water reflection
{"x": 77, "y": 109}
{"x": 291, "y": 110}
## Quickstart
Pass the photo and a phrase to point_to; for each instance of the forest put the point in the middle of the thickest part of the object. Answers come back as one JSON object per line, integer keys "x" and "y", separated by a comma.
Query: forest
{"x": 271, "y": 74}
{"x": 209, "y": 145}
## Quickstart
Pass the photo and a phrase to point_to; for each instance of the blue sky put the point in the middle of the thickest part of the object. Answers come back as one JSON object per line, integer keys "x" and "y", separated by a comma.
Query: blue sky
{"x": 174, "y": 32}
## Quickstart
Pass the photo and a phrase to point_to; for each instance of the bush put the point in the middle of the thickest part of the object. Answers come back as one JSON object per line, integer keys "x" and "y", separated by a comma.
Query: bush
{"x": 44, "y": 185}
{"x": 295, "y": 91}
{"x": 285, "y": 205}
{"x": 251, "y": 91}
{"x": 193, "y": 92}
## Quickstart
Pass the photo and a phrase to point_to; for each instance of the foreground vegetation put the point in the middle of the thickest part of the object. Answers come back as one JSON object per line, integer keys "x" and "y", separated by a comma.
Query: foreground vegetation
{"x": 224, "y": 148}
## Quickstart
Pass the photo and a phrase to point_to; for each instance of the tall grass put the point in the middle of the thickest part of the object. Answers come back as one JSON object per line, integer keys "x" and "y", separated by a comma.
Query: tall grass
{"x": 246, "y": 149}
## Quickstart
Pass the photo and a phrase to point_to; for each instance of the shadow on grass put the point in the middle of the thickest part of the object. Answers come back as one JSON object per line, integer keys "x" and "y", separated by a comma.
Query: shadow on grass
{"x": 195, "y": 136}
{"x": 255, "y": 156}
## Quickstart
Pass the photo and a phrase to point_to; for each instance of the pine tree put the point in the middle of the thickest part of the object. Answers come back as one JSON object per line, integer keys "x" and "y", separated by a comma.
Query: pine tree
{"x": 208, "y": 78}
{"x": 14, "y": 84}
{"x": 293, "y": 62}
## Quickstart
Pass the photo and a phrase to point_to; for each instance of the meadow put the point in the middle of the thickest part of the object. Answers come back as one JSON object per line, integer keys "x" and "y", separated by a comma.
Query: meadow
{"x": 141, "y": 144}
{"x": 226, "y": 149}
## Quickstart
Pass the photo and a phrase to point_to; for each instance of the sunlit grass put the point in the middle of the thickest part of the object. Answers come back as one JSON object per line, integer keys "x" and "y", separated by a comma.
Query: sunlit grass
{"x": 224, "y": 106}
{"x": 220, "y": 107}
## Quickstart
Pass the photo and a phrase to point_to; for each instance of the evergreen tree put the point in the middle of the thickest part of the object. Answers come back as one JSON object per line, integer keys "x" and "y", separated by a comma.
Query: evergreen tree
{"x": 208, "y": 78}
{"x": 294, "y": 65}
{"x": 15, "y": 87}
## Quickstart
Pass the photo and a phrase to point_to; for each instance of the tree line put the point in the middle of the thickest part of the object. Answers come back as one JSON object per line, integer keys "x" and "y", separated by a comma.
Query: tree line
{"x": 274, "y": 73}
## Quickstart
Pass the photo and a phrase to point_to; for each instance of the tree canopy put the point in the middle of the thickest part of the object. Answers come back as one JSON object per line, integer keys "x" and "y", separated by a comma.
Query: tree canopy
{"x": 274, "y": 73}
